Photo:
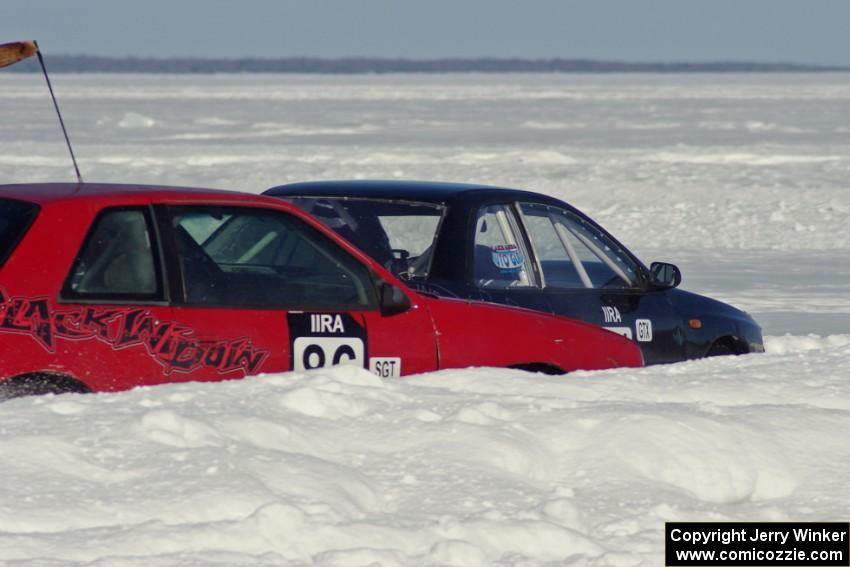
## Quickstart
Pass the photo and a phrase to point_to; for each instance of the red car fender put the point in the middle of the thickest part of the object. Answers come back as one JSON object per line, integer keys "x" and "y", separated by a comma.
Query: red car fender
{"x": 485, "y": 334}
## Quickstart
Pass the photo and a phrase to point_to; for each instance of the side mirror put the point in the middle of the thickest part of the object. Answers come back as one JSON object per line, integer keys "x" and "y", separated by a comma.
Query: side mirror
{"x": 393, "y": 300}
{"x": 664, "y": 276}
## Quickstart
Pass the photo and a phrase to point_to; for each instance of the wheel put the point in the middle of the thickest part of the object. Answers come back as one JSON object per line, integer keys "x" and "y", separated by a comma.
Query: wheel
{"x": 539, "y": 368}
{"x": 721, "y": 349}
{"x": 40, "y": 384}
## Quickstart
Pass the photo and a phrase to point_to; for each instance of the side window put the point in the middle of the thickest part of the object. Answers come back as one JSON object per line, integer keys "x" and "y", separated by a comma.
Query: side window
{"x": 575, "y": 254}
{"x": 15, "y": 219}
{"x": 559, "y": 269}
{"x": 117, "y": 260}
{"x": 499, "y": 259}
{"x": 236, "y": 256}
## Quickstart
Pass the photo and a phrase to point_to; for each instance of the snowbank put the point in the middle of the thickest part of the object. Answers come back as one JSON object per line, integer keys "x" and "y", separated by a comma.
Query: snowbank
{"x": 473, "y": 467}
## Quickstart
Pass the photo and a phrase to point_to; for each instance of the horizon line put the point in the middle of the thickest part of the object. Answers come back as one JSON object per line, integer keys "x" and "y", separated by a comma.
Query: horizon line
{"x": 60, "y": 63}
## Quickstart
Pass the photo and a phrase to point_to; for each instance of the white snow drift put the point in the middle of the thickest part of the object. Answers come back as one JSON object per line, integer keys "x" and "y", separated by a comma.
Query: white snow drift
{"x": 474, "y": 467}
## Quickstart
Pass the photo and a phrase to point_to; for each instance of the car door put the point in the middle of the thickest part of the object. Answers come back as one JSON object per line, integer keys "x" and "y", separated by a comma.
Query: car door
{"x": 113, "y": 314}
{"x": 269, "y": 292}
{"x": 585, "y": 274}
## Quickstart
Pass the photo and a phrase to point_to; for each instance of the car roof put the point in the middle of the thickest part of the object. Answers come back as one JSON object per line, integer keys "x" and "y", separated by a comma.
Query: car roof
{"x": 422, "y": 191}
{"x": 43, "y": 193}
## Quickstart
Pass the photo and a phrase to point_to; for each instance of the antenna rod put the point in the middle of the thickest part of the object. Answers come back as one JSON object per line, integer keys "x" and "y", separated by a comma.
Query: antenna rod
{"x": 59, "y": 114}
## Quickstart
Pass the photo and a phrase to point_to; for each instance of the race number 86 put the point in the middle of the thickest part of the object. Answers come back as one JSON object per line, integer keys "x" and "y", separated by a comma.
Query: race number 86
{"x": 319, "y": 352}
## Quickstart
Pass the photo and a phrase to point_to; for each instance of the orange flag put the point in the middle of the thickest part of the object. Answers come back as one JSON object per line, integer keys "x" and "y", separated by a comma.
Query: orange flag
{"x": 11, "y": 53}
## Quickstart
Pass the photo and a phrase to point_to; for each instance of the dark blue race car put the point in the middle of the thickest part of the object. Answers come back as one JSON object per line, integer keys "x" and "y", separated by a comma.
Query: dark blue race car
{"x": 526, "y": 249}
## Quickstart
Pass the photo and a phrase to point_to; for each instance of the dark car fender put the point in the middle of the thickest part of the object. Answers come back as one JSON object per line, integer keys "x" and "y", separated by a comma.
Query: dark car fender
{"x": 709, "y": 322}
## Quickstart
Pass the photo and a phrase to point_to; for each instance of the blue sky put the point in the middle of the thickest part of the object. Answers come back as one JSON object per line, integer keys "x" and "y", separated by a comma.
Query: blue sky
{"x": 804, "y": 31}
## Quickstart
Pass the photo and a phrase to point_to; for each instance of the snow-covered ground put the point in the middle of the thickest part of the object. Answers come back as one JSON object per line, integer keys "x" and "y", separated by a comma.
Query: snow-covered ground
{"x": 743, "y": 180}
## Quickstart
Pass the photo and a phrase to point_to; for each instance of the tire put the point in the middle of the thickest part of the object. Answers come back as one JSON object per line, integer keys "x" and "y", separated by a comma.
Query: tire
{"x": 721, "y": 348}
{"x": 40, "y": 384}
{"x": 539, "y": 368}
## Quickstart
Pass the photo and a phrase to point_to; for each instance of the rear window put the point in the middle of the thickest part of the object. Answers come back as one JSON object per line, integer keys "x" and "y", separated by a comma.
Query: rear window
{"x": 15, "y": 218}
{"x": 399, "y": 235}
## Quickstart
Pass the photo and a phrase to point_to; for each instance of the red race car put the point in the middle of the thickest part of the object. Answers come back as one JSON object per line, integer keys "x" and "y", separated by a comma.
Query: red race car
{"x": 108, "y": 287}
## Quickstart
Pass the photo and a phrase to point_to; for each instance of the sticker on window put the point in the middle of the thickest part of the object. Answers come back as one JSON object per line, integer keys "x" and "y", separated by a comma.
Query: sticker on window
{"x": 507, "y": 257}
{"x": 319, "y": 340}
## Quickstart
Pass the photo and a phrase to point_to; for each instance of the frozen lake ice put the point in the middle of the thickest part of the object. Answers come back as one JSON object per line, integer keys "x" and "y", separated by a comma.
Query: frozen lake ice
{"x": 733, "y": 176}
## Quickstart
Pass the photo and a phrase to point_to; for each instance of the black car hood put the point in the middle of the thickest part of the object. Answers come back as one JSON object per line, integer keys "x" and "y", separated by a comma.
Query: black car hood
{"x": 687, "y": 302}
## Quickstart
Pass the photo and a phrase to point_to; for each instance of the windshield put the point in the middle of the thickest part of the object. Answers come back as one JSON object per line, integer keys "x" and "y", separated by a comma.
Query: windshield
{"x": 399, "y": 235}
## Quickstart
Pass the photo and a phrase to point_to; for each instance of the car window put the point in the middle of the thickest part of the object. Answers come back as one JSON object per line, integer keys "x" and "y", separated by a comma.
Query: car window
{"x": 573, "y": 253}
{"x": 400, "y": 235}
{"x": 117, "y": 259}
{"x": 238, "y": 256}
{"x": 557, "y": 266}
{"x": 499, "y": 256}
{"x": 15, "y": 218}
